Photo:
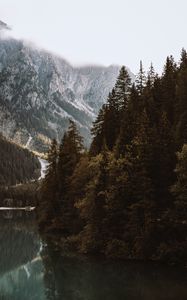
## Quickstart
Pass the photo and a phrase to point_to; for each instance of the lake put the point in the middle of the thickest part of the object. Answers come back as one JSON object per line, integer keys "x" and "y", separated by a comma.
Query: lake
{"x": 32, "y": 269}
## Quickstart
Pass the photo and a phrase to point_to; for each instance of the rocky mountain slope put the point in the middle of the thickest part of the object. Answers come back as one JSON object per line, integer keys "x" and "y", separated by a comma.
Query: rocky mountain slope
{"x": 39, "y": 92}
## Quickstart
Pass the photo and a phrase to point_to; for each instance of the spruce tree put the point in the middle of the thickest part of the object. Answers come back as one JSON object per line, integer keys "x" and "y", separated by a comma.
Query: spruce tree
{"x": 122, "y": 89}
{"x": 181, "y": 102}
{"x": 97, "y": 132}
{"x": 179, "y": 189}
{"x": 107, "y": 125}
{"x": 92, "y": 206}
{"x": 140, "y": 79}
{"x": 169, "y": 88}
{"x": 165, "y": 159}
{"x": 111, "y": 123}
{"x": 48, "y": 205}
{"x": 116, "y": 108}
{"x": 70, "y": 152}
{"x": 151, "y": 77}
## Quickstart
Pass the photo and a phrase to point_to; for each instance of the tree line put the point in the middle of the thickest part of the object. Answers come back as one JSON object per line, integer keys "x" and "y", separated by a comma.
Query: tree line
{"x": 17, "y": 165}
{"x": 126, "y": 197}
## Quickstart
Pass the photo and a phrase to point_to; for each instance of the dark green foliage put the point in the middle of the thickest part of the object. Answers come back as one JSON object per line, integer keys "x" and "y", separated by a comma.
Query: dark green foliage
{"x": 122, "y": 89}
{"x": 92, "y": 207}
{"x": 180, "y": 187}
{"x": 97, "y": 132}
{"x": 55, "y": 200}
{"x": 118, "y": 200}
{"x": 141, "y": 79}
{"x": 21, "y": 195}
{"x": 48, "y": 204}
{"x": 106, "y": 128}
{"x": 181, "y": 101}
{"x": 169, "y": 88}
{"x": 111, "y": 124}
{"x": 70, "y": 151}
{"x": 17, "y": 165}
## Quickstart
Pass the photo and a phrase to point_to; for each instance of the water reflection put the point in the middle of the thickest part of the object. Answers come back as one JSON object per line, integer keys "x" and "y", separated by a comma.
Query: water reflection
{"x": 21, "y": 268}
{"x": 32, "y": 270}
{"x": 81, "y": 279}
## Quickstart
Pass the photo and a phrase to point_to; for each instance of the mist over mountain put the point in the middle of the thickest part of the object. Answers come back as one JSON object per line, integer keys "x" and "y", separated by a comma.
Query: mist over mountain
{"x": 40, "y": 91}
{"x": 4, "y": 26}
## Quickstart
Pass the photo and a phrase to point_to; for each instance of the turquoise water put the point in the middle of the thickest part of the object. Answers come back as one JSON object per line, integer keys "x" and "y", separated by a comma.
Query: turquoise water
{"x": 30, "y": 269}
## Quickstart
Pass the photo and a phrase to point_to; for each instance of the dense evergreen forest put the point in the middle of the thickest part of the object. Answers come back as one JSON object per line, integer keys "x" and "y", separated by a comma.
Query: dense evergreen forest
{"x": 17, "y": 165}
{"x": 127, "y": 196}
{"x": 20, "y": 195}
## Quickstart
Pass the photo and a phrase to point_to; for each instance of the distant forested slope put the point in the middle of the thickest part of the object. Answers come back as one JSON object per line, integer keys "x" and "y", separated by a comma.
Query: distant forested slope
{"x": 17, "y": 165}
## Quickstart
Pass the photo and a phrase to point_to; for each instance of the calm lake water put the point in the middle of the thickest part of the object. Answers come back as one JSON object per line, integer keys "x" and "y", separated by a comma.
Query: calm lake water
{"x": 32, "y": 270}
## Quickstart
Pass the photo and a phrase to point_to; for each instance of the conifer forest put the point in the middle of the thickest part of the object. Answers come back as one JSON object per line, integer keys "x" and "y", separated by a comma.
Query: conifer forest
{"x": 93, "y": 150}
{"x": 126, "y": 196}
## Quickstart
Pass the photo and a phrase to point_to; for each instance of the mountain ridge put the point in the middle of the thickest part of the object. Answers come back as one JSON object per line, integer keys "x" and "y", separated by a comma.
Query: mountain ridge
{"x": 40, "y": 91}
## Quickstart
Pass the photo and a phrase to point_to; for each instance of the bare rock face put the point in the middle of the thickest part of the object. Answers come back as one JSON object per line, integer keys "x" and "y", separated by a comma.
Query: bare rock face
{"x": 39, "y": 92}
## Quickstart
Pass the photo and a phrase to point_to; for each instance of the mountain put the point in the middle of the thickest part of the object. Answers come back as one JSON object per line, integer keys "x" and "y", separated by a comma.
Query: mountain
{"x": 40, "y": 91}
{"x": 17, "y": 165}
{"x": 4, "y": 26}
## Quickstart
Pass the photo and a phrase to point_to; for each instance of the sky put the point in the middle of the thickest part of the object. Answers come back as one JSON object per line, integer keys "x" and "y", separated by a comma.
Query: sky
{"x": 102, "y": 31}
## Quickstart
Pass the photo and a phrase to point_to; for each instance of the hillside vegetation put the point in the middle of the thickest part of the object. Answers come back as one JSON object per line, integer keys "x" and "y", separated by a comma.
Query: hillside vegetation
{"x": 17, "y": 165}
{"x": 127, "y": 197}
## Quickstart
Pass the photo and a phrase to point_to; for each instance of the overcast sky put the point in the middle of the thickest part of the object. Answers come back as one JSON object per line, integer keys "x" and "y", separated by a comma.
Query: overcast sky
{"x": 102, "y": 31}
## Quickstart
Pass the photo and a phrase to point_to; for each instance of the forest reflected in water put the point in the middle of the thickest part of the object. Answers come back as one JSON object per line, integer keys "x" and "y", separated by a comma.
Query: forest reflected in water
{"x": 31, "y": 269}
